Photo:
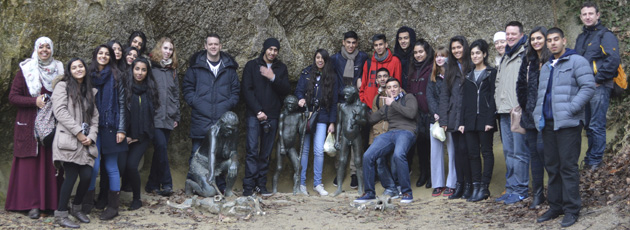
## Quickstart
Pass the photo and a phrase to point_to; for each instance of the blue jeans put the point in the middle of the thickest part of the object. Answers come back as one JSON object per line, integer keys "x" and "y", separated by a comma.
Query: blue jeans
{"x": 111, "y": 166}
{"x": 516, "y": 159}
{"x": 398, "y": 141}
{"x": 595, "y": 125}
{"x": 258, "y": 150}
{"x": 160, "y": 176}
{"x": 318, "y": 154}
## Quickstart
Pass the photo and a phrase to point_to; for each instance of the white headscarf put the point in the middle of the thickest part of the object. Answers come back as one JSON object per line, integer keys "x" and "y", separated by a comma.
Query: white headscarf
{"x": 37, "y": 72}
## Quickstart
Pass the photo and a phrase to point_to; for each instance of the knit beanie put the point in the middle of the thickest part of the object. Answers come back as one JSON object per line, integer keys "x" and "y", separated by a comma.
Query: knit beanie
{"x": 499, "y": 36}
{"x": 271, "y": 42}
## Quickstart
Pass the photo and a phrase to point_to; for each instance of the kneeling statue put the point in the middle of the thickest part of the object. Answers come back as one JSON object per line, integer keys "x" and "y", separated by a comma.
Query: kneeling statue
{"x": 217, "y": 156}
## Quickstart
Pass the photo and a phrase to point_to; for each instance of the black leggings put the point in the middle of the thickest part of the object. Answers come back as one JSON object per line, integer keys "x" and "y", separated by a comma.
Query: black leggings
{"x": 462, "y": 166}
{"x": 72, "y": 170}
{"x": 128, "y": 162}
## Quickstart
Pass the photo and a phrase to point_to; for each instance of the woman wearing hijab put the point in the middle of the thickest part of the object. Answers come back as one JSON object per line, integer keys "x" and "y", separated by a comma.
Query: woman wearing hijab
{"x": 33, "y": 182}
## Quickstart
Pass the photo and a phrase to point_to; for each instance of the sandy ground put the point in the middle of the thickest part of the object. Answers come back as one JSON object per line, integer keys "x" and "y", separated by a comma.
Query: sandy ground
{"x": 286, "y": 211}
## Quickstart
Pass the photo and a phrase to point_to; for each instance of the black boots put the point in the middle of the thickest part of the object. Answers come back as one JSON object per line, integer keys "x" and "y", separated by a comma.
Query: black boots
{"x": 538, "y": 195}
{"x": 88, "y": 202}
{"x": 468, "y": 190}
{"x": 61, "y": 218}
{"x": 422, "y": 180}
{"x": 480, "y": 192}
{"x": 101, "y": 202}
{"x": 75, "y": 210}
{"x": 112, "y": 206}
{"x": 459, "y": 190}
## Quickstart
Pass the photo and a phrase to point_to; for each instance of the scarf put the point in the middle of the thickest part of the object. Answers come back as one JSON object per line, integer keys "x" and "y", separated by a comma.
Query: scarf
{"x": 140, "y": 116}
{"x": 166, "y": 62}
{"x": 106, "y": 98}
{"x": 511, "y": 50}
{"x": 38, "y": 73}
{"x": 348, "y": 71}
{"x": 381, "y": 59}
{"x": 400, "y": 96}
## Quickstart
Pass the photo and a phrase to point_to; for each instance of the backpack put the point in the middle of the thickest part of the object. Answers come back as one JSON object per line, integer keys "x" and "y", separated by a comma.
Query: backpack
{"x": 621, "y": 83}
{"x": 45, "y": 123}
{"x": 621, "y": 80}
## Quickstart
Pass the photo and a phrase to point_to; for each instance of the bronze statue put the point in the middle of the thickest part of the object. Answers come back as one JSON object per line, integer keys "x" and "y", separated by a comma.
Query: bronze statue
{"x": 351, "y": 116}
{"x": 290, "y": 129}
{"x": 217, "y": 156}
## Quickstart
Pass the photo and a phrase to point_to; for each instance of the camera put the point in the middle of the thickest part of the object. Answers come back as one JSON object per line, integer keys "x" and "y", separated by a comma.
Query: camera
{"x": 266, "y": 125}
{"x": 315, "y": 103}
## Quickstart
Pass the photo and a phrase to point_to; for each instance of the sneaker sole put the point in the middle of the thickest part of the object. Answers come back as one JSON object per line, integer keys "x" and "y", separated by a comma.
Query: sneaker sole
{"x": 266, "y": 194}
{"x": 406, "y": 201}
{"x": 352, "y": 187}
{"x": 363, "y": 201}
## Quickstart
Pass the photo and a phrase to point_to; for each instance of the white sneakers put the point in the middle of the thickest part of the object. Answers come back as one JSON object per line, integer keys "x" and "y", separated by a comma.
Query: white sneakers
{"x": 320, "y": 189}
{"x": 303, "y": 190}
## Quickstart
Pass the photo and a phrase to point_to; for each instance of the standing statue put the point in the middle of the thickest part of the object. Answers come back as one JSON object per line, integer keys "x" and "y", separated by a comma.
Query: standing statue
{"x": 350, "y": 118}
{"x": 217, "y": 156}
{"x": 291, "y": 131}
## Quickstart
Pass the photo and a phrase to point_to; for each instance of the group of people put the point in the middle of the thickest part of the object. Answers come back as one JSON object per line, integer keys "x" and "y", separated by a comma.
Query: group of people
{"x": 109, "y": 112}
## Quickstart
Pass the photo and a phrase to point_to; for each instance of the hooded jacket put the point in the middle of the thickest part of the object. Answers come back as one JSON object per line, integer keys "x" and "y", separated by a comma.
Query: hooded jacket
{"x": 405, "y": 56}
{"x": 505, "y": 91}
{"x": 601, "y": 49}
{"x": 369, "y": 88}
{"x": 66, "y": 147}
{"x": 572, "y": 87}
{"x": 168, "y": 89}
{"x": 208, "y": 95}
{"x": 262, "y": 94}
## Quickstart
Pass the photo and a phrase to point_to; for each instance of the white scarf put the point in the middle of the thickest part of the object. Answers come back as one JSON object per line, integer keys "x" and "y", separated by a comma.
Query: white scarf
{"x": 36, "y": 71}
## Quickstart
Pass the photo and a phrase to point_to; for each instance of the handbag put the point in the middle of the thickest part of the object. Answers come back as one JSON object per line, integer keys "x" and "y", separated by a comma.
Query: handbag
{"x": 45, "y": 123}
{"x": 437, "y": 132}
{"x": 515, "y": 120}
{"x": 311, "y": 122}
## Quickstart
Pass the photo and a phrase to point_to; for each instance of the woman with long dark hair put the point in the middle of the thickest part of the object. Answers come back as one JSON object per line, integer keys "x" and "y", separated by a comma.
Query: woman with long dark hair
{"x": 434, "y": 88}
{"x": 164, "y": 65}
{"x": 130, "y": 54}
{"x": 33, "y": 182}
{"x": 457, "y": 65}
{"x": 138, "y": 40}
{"x": 536, "y": 55}
{"x": 420, "y": 69}
{"x": 142, "y": 100}
{"x": 116, "y": 46}
{"x": 316, "y": 90}
{"x": 479, "y": 119}
{"x": 74, "y": 146}
{"x": 110, "y": 101}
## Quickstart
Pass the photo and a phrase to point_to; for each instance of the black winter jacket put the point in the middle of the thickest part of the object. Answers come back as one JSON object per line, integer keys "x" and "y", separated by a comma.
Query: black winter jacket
{"x": 434, "y": 89}
{"x": 527, "y": 90}
{"x": 208, "y": 95}
{"x": 451, "y": 103}
{"x": 262, "y": 94}
{"x": 601, "y": 49}
{"x": 326, "y": 114}
{"x": 478, "y": 106}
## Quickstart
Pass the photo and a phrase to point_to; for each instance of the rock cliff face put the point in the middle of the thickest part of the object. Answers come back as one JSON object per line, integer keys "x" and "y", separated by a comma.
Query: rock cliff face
{"x": 76, "y": 27}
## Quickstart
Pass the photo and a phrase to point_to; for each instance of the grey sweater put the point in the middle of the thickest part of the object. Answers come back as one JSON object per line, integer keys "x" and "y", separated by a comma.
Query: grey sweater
{"x": 398, "y": 116}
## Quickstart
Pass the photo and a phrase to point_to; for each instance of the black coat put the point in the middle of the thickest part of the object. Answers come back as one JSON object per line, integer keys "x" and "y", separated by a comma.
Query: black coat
{"x": 208, "y": 95}
{"x": 434, "y": 90}
{"x": 478, "y": 106}
{"x": 450, "y": 107}
{"x": 527, "y": 90}
{"x": 262, "y": 94}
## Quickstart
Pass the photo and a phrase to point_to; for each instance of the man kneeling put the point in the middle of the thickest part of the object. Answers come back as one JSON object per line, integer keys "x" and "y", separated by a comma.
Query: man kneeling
{"x": 400, "y": 111}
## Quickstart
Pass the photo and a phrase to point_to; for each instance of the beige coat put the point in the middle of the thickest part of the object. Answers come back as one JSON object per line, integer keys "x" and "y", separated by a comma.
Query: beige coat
{"x": 66, "y": 146}
{"x": 505, "y": 91}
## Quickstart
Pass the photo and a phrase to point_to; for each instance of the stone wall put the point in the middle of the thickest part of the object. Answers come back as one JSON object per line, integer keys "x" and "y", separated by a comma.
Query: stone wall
{"x": 76, "y": 27}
